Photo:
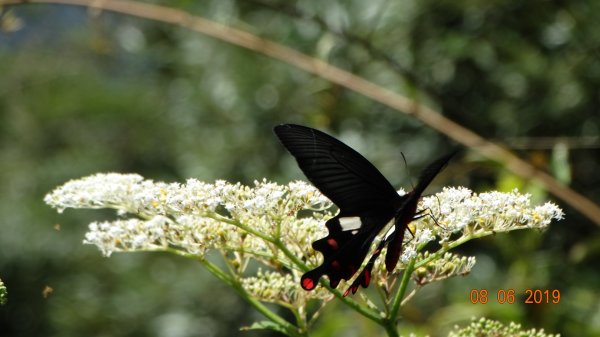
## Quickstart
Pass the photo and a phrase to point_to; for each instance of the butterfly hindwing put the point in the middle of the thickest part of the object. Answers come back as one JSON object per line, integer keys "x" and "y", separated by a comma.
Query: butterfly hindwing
{"x": 343, "y": 252}
{"x": 364, "y": 276}
{"x": 345, "y": 247}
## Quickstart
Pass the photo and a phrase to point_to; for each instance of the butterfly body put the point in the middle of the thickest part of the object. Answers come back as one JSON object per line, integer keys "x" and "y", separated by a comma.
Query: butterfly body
{"x": 367, "y": 202}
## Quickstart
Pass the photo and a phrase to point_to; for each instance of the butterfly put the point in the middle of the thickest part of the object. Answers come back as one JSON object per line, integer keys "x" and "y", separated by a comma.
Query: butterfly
{"x": 367, "y": 202}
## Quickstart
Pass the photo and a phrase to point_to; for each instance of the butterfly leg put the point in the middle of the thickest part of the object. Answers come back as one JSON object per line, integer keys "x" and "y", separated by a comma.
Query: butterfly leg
{"x": 421, "y": 214}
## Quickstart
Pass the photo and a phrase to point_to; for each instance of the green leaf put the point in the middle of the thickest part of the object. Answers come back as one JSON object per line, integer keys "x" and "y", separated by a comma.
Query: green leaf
{"x": 266, "y": 325}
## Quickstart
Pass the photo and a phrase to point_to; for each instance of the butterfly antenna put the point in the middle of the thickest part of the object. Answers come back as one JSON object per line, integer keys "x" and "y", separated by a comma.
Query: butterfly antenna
{"x": 407, "y": 170}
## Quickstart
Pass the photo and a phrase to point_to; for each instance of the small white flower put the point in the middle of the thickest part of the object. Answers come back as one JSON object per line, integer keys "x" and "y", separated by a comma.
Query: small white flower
{"x": 408, "y": 254}
{"x": 424, "y": 235}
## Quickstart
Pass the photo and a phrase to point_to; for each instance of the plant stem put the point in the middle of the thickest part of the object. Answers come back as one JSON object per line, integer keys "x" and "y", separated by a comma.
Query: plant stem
{"x": 284, "y": 325}
{"x": 450, "y": 246}
{"x": 391, "y": 319}
{"x": 390, "y": 328}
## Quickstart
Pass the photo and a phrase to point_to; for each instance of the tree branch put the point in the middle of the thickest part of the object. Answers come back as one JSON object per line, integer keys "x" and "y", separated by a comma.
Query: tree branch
{"x": 345, "y": 79}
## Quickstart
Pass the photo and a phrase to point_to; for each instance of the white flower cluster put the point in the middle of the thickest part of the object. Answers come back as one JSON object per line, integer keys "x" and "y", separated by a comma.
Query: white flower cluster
{"x": 488, "y": 327}
{"x": 458, "y": 209}
{"x": 195, "y": 216}
{"x": 280, "y": 288}
{"x": 274, "y": 224}
{"x": 448, "y": 265}
{"x": 129, "y": 235}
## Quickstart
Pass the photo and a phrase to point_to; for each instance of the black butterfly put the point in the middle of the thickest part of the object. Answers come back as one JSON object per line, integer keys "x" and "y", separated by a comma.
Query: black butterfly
{"x": 366, "y": 202}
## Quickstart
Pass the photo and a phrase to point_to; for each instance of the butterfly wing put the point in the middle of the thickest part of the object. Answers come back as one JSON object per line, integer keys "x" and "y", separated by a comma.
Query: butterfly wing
{"x": 431, "y": 171}
{"x": 367, "y": 201}
{"x": 344, "y": 250}
{"x": 364, "y": 276}
{"x": 338, "y": 171}
{"x": 408, "y": 209}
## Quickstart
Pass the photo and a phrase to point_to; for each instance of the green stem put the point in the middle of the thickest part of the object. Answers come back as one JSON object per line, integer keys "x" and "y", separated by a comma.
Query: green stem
{"x": 288, "y": 253}
{"x": 390, "y": 322}
{"x": 360, "y": 308}
{"x": 300, "y": 316}
{"x": 390, "y": 328}
{"x": 391, "y": 319}
{"x": 240, "y": 225}
{"x": 289, "y": 328}
{"x": 450, "y": 246}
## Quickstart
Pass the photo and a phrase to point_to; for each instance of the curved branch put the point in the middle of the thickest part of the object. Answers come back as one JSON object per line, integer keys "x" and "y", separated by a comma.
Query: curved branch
{"x": 345, "y": 79}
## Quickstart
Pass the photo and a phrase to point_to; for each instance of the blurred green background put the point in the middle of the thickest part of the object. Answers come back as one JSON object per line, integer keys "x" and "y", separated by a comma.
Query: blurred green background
{"x": 86, "y": 91}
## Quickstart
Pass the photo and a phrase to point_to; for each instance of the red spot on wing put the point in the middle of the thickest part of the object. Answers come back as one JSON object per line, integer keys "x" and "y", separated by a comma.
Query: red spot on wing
{"x": 335, "y": 265}
{"x": 308, "y": 284}
{"x": 353, "y": 288}
{"x": 333, "y": 244}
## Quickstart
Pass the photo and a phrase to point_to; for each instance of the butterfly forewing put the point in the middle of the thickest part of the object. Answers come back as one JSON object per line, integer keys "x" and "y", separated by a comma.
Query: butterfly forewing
{"x": 430, "y": 172}
{"x": 338, "y": 171}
